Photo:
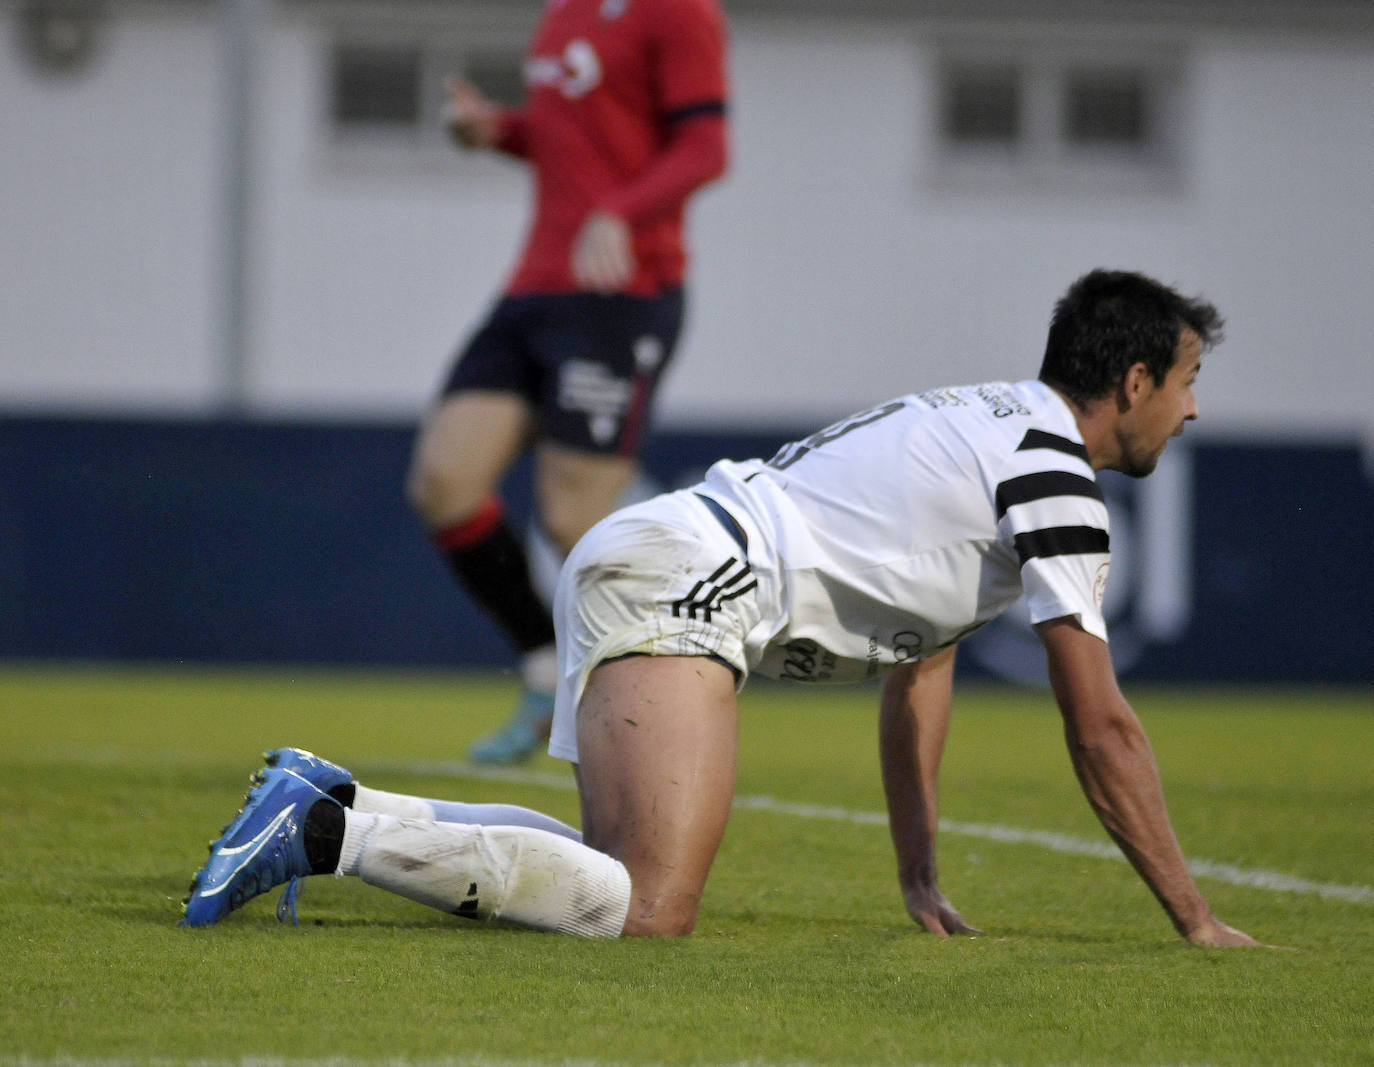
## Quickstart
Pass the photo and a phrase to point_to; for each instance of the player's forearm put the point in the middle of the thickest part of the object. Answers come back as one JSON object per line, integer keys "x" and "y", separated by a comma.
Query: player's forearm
{"x": 913, "y": 724}
{"x": 911, "y": 809}
{"x": 1117, "y": 770}
{"x": 698, "y": 153}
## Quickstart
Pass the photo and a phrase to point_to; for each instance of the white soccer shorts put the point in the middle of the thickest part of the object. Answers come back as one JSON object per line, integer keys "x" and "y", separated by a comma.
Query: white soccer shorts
{"x": 661, "y": 578}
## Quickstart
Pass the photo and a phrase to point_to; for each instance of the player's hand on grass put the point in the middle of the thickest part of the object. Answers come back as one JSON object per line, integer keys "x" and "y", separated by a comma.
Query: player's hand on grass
{"x": 929, "y": 907}
{"x": 603, "y": 253}
{"x": 1217, "y": 934}
{"x": 472, "y": 119}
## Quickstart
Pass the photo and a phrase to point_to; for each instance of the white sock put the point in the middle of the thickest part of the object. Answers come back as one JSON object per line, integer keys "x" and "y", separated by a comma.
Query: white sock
{"x": 539, "y": 669}
{"x": 516, "y": 873}
{"x": 379, "y": 802}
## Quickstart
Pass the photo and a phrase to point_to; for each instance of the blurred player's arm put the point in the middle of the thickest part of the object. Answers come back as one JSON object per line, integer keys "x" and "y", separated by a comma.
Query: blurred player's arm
{"x": 696, "y": 153}
{"x": 692, "y": 84}
{"x": 475, "y": 121}
{"x": 913, "y": 721}
{"x": 1117, "y": 770}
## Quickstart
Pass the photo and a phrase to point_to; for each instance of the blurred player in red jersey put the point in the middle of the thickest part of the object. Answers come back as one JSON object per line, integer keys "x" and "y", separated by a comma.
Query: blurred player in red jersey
{"x": 624, "y": 118}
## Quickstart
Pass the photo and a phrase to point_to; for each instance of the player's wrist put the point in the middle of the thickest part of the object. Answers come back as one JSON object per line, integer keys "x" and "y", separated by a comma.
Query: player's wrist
{"x": 1196, "y": 921}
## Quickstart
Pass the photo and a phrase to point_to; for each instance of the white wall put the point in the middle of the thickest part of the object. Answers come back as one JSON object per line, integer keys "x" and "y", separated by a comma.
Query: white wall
{"x": 842, "y": 272}
{"x": 369, "y": 271}
{"x": 831, "y": 269}
{"x": 108, "y": 227}
{"x": 1285, "y": 236}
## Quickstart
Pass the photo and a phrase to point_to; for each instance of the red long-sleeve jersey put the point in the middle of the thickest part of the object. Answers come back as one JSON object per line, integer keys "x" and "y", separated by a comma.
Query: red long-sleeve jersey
{"x": 625, "y": 111}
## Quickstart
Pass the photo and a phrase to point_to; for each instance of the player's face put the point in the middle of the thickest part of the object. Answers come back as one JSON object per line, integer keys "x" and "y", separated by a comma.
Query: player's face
{"x": 1160, "y": 409}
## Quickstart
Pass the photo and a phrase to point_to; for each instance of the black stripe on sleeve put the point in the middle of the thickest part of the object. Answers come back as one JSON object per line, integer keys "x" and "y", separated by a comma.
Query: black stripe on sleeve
{"x": 1043, "y": 484}
{"x": 1045, "y": 439}
{"x": 691, "y": 111}
{"x": 1061, "y": 541}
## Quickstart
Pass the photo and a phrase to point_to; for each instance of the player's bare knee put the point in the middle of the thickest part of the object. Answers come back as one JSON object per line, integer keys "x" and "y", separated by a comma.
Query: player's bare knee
{"x": 664, "y": 923}
{"x": 564, "y": 522}
{"x": 660, "y": 911}
{"x": 440, "y": 494}
{"x": 419, "y": 489}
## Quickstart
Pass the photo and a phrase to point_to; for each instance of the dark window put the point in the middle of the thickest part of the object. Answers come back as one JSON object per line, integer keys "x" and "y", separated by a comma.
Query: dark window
{"x": 1106, "y": 107}
{"x": 499, "y": 74}
{"x": 982, "y": 103}
{"x": 376, "y": 85}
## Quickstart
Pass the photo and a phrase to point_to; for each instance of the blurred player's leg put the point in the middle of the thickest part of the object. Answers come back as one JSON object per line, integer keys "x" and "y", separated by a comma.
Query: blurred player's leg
{"x": 463, "y": 451}
{"x": 657, "y": 743}
{"x": 464, "y": 447}
{"x": 574, "y": 490}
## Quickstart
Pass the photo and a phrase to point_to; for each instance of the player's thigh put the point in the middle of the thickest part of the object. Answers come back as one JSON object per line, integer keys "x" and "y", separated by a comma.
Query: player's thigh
{"x": 465, "y": 445}
{"x": 575, "y": 489}
{"x": 657, "y": 741}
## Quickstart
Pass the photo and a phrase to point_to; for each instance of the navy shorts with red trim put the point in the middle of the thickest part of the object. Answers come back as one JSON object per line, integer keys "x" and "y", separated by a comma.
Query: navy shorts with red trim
{"x": 588, "y": 363}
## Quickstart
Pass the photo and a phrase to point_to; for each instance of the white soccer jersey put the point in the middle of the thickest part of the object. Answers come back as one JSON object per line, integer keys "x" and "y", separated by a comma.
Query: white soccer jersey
{"x": 895, "y": 532}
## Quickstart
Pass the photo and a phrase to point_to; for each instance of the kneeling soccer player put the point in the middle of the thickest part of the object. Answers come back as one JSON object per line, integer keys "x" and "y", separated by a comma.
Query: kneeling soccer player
{"x": 873, "y": 545}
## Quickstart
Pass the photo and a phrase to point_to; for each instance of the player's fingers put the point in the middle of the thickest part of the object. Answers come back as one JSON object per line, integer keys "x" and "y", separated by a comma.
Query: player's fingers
{"x": 619, "y": 261}
{"x": 617, "y": 272}
{"x": 465, "y": 105}
{"x": 462, "y": 90}
{"x": 592, "y": 274}
{"x": 1229, "y": 938}
{"x": 601, "y": 265}
{"x": 584, "y": 267}
{"x": 955, "y": 924}
{"x": 931, "y": 921}
{"x": 1217, "y": 934}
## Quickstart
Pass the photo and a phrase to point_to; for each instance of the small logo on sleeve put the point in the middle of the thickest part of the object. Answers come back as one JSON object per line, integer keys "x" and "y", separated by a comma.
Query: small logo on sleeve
{"x": 1100, "y": 583}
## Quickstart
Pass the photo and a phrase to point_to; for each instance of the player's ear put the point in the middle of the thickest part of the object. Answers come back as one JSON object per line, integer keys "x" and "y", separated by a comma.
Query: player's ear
{"x": 1135, "y": 383}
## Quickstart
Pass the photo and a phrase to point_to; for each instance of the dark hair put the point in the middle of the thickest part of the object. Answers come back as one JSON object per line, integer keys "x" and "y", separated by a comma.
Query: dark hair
{"x": 1111, "y": 320}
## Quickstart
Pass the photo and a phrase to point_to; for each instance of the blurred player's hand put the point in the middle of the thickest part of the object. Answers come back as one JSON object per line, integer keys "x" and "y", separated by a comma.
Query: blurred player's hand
{"x": 1216, "y": 933}
{"x": 473, "y": 120}
{"x": 603, "y": 253}
{"x": 928, "y": 906}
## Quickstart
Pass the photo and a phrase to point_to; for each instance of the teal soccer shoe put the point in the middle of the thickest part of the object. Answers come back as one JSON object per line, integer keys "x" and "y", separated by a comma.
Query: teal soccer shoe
{"x": 521, "y": 736}
{"x": 262, "y": 848}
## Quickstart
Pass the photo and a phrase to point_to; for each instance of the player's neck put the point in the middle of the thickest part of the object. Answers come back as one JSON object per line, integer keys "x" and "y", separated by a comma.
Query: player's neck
{"x": 1097, "y": 424}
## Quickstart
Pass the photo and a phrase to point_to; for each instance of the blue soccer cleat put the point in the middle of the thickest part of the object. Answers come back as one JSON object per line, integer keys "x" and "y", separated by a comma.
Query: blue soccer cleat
{"x": 262, "y": 848}
{"x": 320, "y": 773}
{"x": 521, "y": 736}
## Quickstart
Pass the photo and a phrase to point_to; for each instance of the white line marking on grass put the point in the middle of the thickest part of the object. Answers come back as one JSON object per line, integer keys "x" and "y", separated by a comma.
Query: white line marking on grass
{"x": 285, "y": 1061}
{"x": 345, "y": 1061}
{"x": 1274, "y": 881}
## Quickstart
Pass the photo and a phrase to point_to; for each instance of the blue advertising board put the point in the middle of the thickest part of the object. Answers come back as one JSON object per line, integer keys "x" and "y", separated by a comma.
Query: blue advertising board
{"x": 260, "y": 541}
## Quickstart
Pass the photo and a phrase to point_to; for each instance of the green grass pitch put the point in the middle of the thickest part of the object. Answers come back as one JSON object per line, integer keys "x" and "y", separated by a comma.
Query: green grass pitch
{"x": 112, "y": 780}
